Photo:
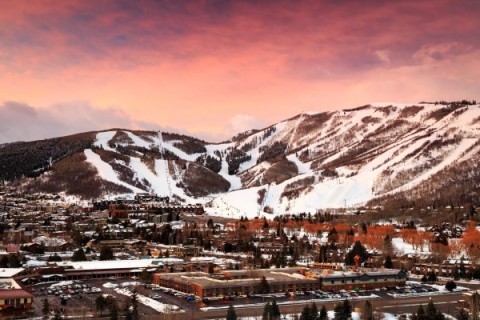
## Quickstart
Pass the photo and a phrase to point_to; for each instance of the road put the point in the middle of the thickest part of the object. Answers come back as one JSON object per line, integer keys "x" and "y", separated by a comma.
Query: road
{"x": 447, "y": 303}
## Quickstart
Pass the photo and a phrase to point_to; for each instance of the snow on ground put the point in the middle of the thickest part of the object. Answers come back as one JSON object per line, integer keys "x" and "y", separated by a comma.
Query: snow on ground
{"x": 110, "y": 285}
{"x": 443, "y": 289}
{"x": 235, "y": 181}
{"x": 302, "y": 167}
{"x": 345, "y": 190}
{"x": 402, "y": 248}
{"x": 105, "y": 171}
{"x": 138, "y": 141}
{"x": 170, "y": 147}
{"x": 154, "y": 304}
{"x": 158, "y": 179}
{"x": 131, "y": 284}
{"x": 389, "y": 316}
{"x": 450, "y": 159}
{"x": 236, "y": 203}
{"x": 103, "y": 138}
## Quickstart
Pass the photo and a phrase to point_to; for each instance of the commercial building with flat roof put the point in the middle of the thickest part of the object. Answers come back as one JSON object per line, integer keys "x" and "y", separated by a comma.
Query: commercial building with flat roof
{"x": 244, "y": 282}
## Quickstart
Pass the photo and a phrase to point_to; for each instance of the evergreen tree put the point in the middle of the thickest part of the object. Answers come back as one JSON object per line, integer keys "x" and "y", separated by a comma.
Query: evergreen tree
{"x": 450, "y": 285}
{"x": 265, "y": 224}
{"x": 54, "y": 258}
{"x": 347, "y": 307}
{"x": 306, "y": 315}
{"x": 46, "y": 308}
{"x": 13, "y": 261}
{"x": 4, "y": 262}
{"x": 387, "y": 245}
{"x": 313, "y": 311}
{"x": 266, "y": 311}
{"x": 364, "y": 228}
{"x": 231, "y": 314}
{"x": 100, "y": 303}
{"x": 432, "y": 277}
{"x": 323, "y": 313}
{"x": 58, "y": 315}
{"x": 113, "y": 307}
{"x": 79, "y": 255}
{"x": 264, "y": 286}
{"x": 421, "y": 313}
{"x": 106, "y": 253}
{"x": 358, "y": 249}
{"x": 343, "y": 311}
{"x": 388, "y": 263}
{"x": 439, "y": 316}
{"x": 134, "y": 303}
{"x": 274, "y": 311}
{"x": 431, "y": 310}
{"x": 463, "y": 315}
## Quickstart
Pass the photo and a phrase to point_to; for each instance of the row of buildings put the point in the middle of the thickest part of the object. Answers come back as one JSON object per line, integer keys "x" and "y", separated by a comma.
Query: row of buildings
{"x": 285, "y": 280}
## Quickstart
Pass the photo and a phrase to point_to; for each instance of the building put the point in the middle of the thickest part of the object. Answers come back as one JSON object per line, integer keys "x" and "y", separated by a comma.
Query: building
{"x": 236, "y": 282}
{"x": 368, "y": 280}
{"x": 68, "y": 270}
{"x": 287, "y": 280}
{"x": 12, "y": 296}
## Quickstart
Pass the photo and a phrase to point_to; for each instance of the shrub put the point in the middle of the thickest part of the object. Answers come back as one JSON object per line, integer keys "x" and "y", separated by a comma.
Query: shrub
{"x": 450, "y": 285}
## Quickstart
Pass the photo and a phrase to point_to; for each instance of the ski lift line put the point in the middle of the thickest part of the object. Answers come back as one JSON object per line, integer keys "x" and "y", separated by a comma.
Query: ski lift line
{"x": 160, "y": 139}
{"x": 290, "y": 141}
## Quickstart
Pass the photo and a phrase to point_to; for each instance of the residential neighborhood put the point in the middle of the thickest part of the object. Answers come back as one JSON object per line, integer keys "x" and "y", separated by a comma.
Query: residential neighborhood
{"x": 62, "y": 252}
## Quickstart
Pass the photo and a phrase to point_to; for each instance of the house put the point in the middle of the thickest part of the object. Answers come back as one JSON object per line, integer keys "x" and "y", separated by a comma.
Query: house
{"x": 12, "y": 296}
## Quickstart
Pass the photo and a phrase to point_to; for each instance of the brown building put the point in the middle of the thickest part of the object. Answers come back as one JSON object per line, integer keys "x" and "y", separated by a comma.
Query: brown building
{"x": 335, "y": 281}
{"x": 236, "y": 282}
{"x": 244, "y": 282}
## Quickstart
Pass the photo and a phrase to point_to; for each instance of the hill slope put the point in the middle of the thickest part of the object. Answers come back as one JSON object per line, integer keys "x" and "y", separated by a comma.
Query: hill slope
{"x": 398, "y": 153}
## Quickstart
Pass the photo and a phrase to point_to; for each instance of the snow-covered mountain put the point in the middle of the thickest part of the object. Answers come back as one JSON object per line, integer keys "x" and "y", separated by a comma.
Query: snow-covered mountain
{"x": 341, "y": 158}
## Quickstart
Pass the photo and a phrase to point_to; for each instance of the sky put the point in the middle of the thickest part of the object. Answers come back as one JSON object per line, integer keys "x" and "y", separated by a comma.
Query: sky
{"x": 213, "y": 69}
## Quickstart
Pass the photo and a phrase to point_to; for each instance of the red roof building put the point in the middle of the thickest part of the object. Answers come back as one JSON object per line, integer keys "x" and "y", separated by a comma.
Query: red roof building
{"x": 13, "y": 296}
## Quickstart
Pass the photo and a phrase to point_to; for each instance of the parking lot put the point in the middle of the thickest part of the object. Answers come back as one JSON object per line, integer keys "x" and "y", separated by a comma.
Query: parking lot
{"x": 71, "y": 297}
{"x": 77, "y": 298}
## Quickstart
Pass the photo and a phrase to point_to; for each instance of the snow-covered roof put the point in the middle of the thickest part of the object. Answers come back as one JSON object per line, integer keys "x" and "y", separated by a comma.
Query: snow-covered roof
{"x": 109, "y": 264}
{"x": 10, "y": 272}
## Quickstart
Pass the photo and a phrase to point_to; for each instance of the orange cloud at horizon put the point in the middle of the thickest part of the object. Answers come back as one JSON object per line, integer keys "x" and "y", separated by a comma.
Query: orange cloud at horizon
{"x": 209, "y": 68}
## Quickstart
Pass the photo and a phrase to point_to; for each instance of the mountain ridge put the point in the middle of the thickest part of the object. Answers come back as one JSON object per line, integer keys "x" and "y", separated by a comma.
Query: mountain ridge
{"x": 311, "y": 161}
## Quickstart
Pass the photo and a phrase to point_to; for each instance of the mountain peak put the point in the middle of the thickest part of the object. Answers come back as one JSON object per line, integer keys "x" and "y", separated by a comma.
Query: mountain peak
{"x": 312, "y": 161}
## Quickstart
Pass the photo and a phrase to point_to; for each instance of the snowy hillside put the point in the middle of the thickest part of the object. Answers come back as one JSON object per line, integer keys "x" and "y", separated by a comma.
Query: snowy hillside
{"x": 311, "y": 161}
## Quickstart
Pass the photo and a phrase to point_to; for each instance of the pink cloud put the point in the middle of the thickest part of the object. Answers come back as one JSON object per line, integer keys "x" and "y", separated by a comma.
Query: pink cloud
{"x": 195, "y": 65}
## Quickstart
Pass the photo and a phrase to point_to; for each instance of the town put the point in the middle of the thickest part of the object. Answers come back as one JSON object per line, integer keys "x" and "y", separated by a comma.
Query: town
{"x": 148, "y": 256}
